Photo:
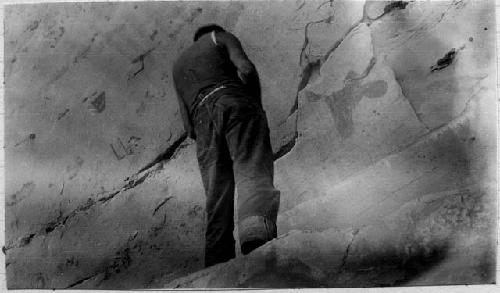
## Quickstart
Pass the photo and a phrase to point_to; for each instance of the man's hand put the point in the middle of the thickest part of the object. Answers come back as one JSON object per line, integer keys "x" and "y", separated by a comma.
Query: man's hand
{"x": 246, "y": 70}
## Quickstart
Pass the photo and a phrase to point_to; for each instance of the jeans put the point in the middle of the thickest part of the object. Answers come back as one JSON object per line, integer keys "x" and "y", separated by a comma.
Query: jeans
{"x": 234, "y": 150}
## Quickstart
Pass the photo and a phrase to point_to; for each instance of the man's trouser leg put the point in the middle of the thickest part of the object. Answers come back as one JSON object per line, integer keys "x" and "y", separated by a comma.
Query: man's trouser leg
{"x": 244, "y": 124}
{"x": 232, "y": 134}
{"x": 218, "y": 179}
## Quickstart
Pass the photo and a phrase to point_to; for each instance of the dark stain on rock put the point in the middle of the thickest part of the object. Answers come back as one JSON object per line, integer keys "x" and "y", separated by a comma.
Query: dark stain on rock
{"x": 153, "y": 35}
{"x": 313, "y": 97}
{"x": 14, "y": 59}
{"x": 39, "y": 281}
{"x": 125, "y": 149}
{"x": 445, "y": 61}
{"x": 194, "y": 14}
{"x": 98, "y": 104}
{"x": 292, "y": 273}
{"x": 471, "y": 39}
{"x": 162, "y": 203}
{"x": 34, "y": 25}
{"x": 20, "y": 195}
{"x": 82, "y": 54}
{"x": 32, "y": 136}
{"x": 26, "y": 239}
{"x": 141, "y": 109}
{"x": 72, "y": 261}
{"x": 195, "y": 211}
{"x": 139, "y": 59}
{"x": 395, "y": 5}
{"x": 61, "y": 115}
{"x": 75, "y": 167}
{"x": 343, "y": 102}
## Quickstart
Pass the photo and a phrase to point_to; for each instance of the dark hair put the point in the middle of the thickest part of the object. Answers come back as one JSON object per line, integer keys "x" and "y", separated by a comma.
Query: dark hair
{"x": 206, "y": 29}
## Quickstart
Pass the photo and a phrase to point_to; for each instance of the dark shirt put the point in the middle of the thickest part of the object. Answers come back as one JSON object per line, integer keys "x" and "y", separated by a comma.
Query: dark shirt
{"x": 206, "y": 65}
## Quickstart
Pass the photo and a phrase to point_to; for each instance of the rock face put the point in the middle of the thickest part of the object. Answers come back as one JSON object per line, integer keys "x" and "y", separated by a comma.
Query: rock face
{"x": 382, "y": 122}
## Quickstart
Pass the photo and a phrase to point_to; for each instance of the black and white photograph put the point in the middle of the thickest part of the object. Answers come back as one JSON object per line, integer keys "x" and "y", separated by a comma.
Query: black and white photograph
{"x": 249, "y": 144}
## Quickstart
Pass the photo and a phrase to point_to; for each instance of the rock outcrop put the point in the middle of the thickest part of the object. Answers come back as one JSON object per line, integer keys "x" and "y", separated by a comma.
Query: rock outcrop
{"x": 382, "y": 117}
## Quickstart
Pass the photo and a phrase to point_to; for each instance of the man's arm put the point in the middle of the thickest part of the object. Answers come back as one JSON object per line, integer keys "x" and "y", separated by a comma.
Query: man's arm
{"x": 186, "y": 119}
{"x": 246, "y": 69}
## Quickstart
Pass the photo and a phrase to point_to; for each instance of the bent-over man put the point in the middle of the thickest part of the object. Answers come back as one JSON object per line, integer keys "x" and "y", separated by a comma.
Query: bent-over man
{"x": 220, "y": 102}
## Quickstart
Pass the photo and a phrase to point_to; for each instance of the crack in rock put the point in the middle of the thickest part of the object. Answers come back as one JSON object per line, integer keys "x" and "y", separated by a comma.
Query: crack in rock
{"x": 405, "y": 95}
{"x": 162, "y": 204}
{"x": 130, "y": 182}
{"x": 168, "y": 153}
{"x": 81, "y": 281}
{"x": 347, "y": 250}
{"x": 287, "y": 147}
{"x": 123, "y": 256}
{"x": 62, "y": 114}
{"x": 394, "y": 5}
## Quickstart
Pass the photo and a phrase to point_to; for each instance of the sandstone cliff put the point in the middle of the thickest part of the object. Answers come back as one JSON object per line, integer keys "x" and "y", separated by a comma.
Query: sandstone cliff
{"x": 382, "y": 119}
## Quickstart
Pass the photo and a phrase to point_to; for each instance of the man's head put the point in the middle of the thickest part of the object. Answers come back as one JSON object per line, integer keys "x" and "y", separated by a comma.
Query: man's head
{"x": 207, "y": 29}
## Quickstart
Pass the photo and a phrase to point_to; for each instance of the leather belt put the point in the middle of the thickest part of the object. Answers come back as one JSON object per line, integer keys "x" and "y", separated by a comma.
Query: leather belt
{"x": 210, "y": 93}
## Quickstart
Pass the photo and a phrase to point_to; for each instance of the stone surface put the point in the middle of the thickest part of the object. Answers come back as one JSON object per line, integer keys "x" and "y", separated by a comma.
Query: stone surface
{"x": 381, "y": 121}
{"x": 436, "y": 227}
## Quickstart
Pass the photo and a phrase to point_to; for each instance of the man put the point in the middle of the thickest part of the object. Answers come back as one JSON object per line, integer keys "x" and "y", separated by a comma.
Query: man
{"x": 219, "y": 97}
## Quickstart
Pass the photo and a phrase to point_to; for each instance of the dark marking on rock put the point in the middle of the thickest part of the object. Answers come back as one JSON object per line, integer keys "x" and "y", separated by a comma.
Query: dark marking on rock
{"x": 74, "y": 168}
{"x": 162, "y": 204}
{"x": 140, "y": 59}
{"x": 20, "y": 195}
{"x": 287, "y": 147}
{"x": 301, "y": 5}
{"x": 71, "y": 261}
{"x": 33, "y": 26}
{"x": 485, "y": 28}
{"x": 26, "y": 239}
{"x": 134, "y": 139}
{"x": 141, "y": 109}
{"x": 343, "y": 102}
{"x": 82, "y": 54}
{"x": 471, "y": 39}
{"x": 61, "y": 115}
{"x": 312, "y": 97}
{"x": 98, "y": 104}
{"x": 62, "y": 189}
{"x": 445, "y": 61}
{"x": 81, "y": 281}
{"x": 194, "y": 14}
{"x": 40, "y": 281}
{"x": 13, "y": 59}
{"x": 32, "y": 136}
{"x": 395, "y": 5}
{"x": 153, "y": 35}
{"x": 4, "y": 250}
{"x": 195, "y": 211}
{"x": 167, "y": 154}
{"x": 118, "y": 157}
